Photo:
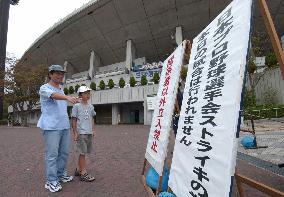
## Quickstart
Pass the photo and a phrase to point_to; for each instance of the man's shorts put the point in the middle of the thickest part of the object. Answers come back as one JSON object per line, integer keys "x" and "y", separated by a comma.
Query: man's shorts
{"x": 84, "y": 143}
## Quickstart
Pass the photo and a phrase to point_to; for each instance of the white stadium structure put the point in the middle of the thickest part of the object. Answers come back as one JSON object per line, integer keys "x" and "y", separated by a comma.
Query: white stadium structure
{"x": 113, "y": 39}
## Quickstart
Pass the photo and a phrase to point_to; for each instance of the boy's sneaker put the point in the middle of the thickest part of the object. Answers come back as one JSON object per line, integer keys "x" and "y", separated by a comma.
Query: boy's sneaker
{"x": 66, "y": 178}
{"x": 87, "y": 178}
{"x": 53, "y": 186}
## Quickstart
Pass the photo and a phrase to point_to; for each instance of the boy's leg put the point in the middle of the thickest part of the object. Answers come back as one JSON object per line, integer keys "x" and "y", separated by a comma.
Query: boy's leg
{"x": 51, "y": 142}
{"x": 63, "y": 152}
{"x": 82, "y": 164}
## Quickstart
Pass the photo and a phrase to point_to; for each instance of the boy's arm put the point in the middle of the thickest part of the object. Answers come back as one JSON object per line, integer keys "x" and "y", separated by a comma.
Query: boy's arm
{"x": 74, "y": 128}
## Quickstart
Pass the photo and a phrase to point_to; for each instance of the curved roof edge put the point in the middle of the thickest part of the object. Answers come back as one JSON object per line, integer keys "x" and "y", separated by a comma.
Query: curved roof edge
{"x": 67, "y": 19}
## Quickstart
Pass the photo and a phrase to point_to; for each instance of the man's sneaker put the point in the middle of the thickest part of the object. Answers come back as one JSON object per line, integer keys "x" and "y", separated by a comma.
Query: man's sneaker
{"x": 53, "y": 186}
{"x": 66, "y": 178}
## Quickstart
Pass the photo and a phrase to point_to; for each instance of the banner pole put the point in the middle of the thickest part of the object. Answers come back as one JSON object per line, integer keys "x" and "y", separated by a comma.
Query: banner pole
{"x": 272, "y": 34}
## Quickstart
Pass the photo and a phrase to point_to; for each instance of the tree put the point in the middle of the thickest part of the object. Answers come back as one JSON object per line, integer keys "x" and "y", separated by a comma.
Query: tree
{"x": 121, "y": 83}
{"x": 156, "y": 78}
{"x": 77, "y": 87}
{"x": 21, "y": 84}
{"x": 132, "y": 81}
{"x": 144, "y": 80}
{"x": 261, "y": 46}
{"x": 66, "y": 90}
{"x": 102, "y": 85}
{"x": 93, "y": 86}
{"x": 110, "y": 83}
{"x": 71, "y": 90}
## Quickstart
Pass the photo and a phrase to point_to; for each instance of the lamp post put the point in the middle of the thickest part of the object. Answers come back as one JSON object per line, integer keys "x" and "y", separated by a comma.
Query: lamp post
{"x": 4, "y": 18}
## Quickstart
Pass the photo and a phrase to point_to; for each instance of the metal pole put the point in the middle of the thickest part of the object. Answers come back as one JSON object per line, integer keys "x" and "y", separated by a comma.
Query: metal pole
{"x": 4, "y": 17}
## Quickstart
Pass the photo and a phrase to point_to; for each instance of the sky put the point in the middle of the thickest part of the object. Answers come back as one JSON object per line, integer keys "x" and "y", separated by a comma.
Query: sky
{"x": 31, "y": 18}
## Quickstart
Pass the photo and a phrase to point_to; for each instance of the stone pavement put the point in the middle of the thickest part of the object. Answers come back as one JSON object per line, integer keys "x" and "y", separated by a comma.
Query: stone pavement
{"x": 269, "y": 133}
{"x": 116, "y": 163}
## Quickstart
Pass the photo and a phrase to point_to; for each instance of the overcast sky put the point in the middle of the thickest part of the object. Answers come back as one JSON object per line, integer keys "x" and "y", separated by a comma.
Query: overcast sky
{"x": 30, "y": 18}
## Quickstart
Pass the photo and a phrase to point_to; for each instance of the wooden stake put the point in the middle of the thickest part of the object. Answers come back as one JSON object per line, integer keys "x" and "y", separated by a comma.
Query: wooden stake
{"x": 272, "y": 34}
{"x": 239, "y": 184}
{"x": 159, "y": 184}
{"x": 144, "y": 165}
{"x": 259, "y": 186}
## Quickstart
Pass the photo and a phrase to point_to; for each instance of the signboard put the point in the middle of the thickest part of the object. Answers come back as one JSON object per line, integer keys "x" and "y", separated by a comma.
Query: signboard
{"x": 156, "y": 150}
{"x": 206, "y": 144}
{"x": 148, "y": 73}
{"x": 151, "y": 102}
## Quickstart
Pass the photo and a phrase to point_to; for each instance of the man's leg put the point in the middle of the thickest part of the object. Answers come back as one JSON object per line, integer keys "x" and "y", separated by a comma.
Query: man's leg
{"x": 63, "y": 152}
{"x": 51, "y": 142}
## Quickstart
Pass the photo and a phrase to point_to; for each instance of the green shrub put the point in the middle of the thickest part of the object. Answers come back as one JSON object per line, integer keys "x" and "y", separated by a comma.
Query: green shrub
{"x": 110, "y": 83}
{"x": 102, "y": 85}
{"x": 77, "y": 87}
{"x": 93, "y": 86}
{"x": 66, "y": 90}
{"x": 144, "y": 80}
{"x": 251, "y": 65}
{"x": 121, "y": 83}
{"x": 271, "y": 60}
{"x": 71, "y": 90}
{"x": 156, "y": 78}
{"x": 132, "y": 81}
{"x": 249, "y": 99}
{"x": 264, "y": 112}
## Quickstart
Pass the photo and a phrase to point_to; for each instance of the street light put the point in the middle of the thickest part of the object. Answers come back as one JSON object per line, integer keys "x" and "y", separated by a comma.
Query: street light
{"x": 4, "y": 18}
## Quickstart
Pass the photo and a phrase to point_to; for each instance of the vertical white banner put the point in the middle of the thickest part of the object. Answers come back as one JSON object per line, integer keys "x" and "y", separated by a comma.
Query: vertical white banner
{"x": 156, "y": 150}
{"x": 205, "y": 147}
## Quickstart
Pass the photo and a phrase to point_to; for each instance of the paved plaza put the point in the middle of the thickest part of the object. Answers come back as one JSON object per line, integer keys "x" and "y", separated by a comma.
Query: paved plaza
{"x": 116, "y": 163}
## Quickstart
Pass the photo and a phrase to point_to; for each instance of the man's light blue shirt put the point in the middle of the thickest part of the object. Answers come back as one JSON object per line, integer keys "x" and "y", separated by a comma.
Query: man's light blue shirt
{"x": 54, "y": 114}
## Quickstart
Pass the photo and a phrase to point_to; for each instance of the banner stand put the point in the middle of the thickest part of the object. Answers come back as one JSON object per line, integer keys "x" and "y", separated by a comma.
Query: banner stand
{"x": 270, "y": 28}
{"x": 256, "y": 185}
{"x": 185, "y": 60}
{"x": 148, "y": 189}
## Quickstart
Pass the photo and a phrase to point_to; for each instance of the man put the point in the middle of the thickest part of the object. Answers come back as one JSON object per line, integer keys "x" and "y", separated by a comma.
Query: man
{"x": 54, "y": 123}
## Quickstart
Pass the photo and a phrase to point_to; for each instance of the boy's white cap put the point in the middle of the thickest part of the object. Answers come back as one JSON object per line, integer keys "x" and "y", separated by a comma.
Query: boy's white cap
{"x": 83, "y": 89}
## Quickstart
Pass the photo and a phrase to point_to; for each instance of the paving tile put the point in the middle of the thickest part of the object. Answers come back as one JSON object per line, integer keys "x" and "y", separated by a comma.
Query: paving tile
{"x": 116, "y": 163}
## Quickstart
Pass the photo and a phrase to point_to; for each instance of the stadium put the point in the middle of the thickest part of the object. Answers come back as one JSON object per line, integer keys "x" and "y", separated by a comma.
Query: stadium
{"x": 114, "y": 39}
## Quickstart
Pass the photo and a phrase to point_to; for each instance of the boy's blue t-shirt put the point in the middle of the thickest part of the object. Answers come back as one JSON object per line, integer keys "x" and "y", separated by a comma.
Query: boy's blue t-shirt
{"x": 54, "y": 114}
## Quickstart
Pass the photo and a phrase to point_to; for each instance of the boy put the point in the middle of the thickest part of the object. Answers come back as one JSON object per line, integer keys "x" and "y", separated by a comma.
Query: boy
{"x": 83, "y": 131}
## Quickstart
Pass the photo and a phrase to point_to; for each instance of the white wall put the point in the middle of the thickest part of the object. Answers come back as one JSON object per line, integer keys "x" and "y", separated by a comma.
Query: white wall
{"x": 271, "y": 80}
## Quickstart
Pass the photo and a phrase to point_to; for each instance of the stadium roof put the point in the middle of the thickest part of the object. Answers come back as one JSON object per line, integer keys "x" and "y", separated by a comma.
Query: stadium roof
{"x": 105, "y": 25}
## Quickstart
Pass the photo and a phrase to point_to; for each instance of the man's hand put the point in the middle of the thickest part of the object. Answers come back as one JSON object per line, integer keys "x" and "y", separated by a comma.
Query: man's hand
{"x": 73, "y": 100}
{"x": 75, "y": 135}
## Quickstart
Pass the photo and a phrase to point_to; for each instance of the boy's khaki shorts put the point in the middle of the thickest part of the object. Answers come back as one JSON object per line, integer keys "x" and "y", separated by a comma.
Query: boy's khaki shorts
{"x": 84, "y": 143}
